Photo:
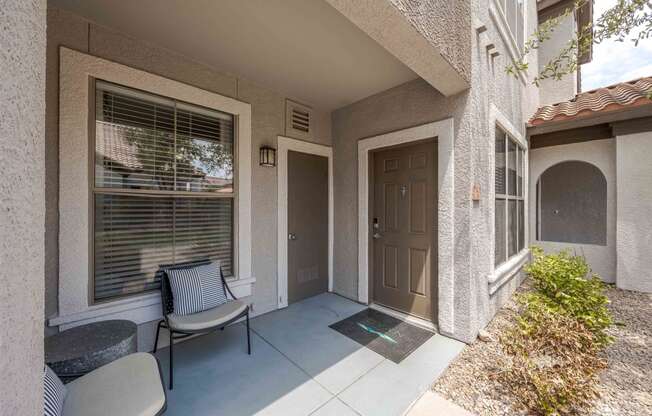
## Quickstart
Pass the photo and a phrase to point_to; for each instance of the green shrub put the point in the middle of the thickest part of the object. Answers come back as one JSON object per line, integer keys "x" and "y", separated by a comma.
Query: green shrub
{"x": 564, "y": 283}
{"x": 554, "y": 349}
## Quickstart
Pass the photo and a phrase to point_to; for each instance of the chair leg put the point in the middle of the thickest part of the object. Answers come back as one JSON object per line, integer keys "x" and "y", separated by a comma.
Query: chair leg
{"x": 158, "y": 331}
{"x": 171, "y": 359}
{"x": 248, "y": 336}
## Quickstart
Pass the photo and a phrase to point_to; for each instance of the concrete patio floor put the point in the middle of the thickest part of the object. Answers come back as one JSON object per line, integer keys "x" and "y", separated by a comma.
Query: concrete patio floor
{"x": 299, "y": 366}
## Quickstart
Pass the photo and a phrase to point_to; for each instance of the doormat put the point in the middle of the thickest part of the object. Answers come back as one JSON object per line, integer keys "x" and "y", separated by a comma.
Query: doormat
{"x": 390, "y": 337}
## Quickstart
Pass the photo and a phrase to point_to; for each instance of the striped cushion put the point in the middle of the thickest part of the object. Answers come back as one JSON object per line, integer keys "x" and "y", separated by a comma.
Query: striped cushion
{"x": 54, "y": 392}
{"x": 196, "y": 289}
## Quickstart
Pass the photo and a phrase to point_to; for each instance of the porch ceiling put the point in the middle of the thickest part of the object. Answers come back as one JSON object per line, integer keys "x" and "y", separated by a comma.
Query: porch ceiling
{"x": 304, "y": 49}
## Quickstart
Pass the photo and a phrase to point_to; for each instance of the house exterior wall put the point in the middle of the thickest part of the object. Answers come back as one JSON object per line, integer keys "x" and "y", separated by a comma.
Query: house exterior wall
{"x": 268, "y": 122}
{"x": 554, "y": 91}
{"x": 416, "y": 103}
{"x": 602, "y": 154}
{"x": 439, "y": 21}
{"x": 22, "y": 85}
{"x": 634, "y": 224}
{"x": 407, "y": 105}
{"x": 431, "y": 37}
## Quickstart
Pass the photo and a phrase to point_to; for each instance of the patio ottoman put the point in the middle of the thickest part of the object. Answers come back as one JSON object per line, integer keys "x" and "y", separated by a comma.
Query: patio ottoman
{"x": 130, "y": 386}
{"x": 80, "y": 350}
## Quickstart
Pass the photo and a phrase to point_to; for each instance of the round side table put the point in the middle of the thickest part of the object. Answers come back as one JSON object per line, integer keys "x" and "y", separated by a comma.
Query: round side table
{"x": 82, "y": 349}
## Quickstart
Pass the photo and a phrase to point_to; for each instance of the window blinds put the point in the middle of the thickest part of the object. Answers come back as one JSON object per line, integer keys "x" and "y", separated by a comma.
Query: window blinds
{"x": 163, "y": 188}
{"x": 134, "y": 235}
{"x": 148, "y": 142}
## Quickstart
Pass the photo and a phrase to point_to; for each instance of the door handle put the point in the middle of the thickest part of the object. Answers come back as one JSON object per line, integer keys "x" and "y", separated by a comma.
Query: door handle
{"x": 377, "y": 235}
{"x": 292, "y": 236}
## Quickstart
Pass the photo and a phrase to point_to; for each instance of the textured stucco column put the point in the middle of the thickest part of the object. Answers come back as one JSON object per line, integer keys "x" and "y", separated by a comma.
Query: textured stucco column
{"x": 22, "y": 205}
{"x": 634, "y": 211}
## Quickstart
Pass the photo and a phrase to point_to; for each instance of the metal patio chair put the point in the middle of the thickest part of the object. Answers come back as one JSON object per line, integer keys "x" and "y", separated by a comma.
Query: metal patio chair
{"x": 183, "y": 326}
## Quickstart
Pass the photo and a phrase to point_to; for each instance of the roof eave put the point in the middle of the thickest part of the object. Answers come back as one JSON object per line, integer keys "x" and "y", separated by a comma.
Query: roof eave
{"x": 627, "y": 113}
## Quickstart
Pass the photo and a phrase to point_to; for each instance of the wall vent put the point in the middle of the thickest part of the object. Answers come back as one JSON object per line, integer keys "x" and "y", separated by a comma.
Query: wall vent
{"x": 298, "y": 120}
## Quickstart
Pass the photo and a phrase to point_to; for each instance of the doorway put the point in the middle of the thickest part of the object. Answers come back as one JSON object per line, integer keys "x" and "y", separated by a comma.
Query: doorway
{"x": 285, "y": 146}
{"x": 404, "y": 228}
{"x": 307, "y": 219}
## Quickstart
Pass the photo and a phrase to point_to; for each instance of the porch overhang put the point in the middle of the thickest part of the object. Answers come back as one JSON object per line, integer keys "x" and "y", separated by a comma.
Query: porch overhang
{"x": 326, "y": 53}
{"x": 395, "y": 26}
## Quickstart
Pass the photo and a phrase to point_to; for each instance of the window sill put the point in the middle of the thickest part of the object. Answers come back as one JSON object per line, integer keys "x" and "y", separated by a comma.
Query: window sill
{"x": 504, "y": 273}
{"x": 139, "y": 309}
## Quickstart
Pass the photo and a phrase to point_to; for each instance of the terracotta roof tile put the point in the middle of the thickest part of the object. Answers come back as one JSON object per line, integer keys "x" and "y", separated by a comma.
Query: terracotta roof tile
{"x": 612, "y": 98}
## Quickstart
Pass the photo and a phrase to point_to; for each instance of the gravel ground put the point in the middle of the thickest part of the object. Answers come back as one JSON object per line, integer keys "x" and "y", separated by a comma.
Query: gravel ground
{"x": 625, "y": 386}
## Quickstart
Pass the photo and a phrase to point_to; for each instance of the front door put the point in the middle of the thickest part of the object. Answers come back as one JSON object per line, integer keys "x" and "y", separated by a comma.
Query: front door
{"x": 307, "y": 225}
{"x": 404, "y": 223}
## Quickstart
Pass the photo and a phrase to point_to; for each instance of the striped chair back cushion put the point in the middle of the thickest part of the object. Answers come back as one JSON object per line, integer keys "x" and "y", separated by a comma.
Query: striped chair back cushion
{"x": 54, "y": 393}
{"x": 196, "y": 289}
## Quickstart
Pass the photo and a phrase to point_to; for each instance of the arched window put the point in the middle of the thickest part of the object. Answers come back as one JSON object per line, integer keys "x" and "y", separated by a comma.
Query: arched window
{"x": 572, "y": 204}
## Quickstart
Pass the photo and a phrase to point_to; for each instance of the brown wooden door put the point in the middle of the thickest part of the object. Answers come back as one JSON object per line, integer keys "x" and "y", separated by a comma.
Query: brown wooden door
{"x": 307, "y": 225}
{"x": 404, "y": 229}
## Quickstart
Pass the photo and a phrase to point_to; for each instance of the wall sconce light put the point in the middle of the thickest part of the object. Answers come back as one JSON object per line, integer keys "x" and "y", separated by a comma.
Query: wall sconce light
{"x": 267, "y": 156}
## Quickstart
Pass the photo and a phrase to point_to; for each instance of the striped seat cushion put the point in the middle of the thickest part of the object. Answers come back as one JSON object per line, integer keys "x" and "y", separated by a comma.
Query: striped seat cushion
{"x": 196, "y": 289}
{"x": 54, "y": 393}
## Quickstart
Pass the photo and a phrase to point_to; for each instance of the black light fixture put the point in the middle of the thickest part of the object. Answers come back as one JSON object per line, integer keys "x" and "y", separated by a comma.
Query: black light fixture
{"x": 267, "y": 156}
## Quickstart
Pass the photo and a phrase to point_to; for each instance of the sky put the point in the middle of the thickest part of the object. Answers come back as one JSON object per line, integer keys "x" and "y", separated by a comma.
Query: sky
{"x": 614, "y": 61}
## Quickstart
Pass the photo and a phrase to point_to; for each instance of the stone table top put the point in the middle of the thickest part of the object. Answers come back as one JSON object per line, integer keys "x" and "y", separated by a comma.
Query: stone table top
{"x": 82, "y": 349}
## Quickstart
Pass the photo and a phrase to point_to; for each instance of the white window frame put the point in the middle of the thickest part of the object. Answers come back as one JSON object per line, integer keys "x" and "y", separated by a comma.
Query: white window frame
{"x": 504, "y": 272}
{"x": 77, "y": 70}
{"x": 510, "y": 39}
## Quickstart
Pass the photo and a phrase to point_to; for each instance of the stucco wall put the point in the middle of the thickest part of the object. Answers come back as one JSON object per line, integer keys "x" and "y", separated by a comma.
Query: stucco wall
{"x": 602, "y": 154}
{"x": 441, "y": 23}
{"x": 634, "y": 224}
{"x": 268, "y": 121}
{"x": 416, "y": 103}
{"x": 555, "y": 91}
{"x": 22, "y": 83}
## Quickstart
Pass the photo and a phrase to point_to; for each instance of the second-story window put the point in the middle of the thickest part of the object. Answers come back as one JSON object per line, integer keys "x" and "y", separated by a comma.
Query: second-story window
{"x": 514, "y": 12}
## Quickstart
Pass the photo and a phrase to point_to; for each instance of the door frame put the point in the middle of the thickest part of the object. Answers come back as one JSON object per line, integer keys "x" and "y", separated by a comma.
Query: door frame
{"x": 443, "y": 131}
{"x": 285, "y": 144}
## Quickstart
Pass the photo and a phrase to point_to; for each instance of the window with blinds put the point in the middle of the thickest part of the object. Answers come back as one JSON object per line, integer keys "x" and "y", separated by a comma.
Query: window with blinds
{"x": 163, "y": 188}
{"x": 510, "y": 197}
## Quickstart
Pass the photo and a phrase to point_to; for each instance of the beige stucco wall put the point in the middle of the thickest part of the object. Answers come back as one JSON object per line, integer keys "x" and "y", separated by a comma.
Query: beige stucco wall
{"x": 446, "y": 25}
{"x": 554, "y": 91}
{"x": 602, "y": 154}
{"x": 634, "y": 223}
{"x": 22, "y": 205}
{"x": 413, "y": 103}
{"x": 268, "y": 121}
{"x": 416, "y": 103}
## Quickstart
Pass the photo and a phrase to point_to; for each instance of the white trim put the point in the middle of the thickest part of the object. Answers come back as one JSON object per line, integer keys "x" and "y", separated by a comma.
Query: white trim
{"x": 444, "y": 132}
{"x": 76, "y": 69}
{"x": 284, "y": 145}
{"x": 497, "y": 117}
{"x": 499, "y": 19}
{"x": 505, "y": 271}
{"x": 405, "y": 317}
